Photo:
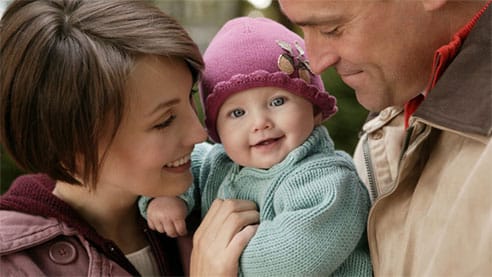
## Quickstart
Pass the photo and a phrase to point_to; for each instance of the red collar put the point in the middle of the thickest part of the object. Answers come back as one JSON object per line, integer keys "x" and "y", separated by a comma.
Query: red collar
{"x": 442, "y": 58}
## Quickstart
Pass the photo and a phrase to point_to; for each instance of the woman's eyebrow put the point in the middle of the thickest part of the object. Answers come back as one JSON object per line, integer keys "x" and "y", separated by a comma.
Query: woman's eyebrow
{"x": 164, "y": 105}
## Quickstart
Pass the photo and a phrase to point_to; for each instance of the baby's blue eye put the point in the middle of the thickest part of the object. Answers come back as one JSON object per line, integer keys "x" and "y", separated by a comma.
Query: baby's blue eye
{"x": 237, "y": 113}
{"x": 279, "y": 101}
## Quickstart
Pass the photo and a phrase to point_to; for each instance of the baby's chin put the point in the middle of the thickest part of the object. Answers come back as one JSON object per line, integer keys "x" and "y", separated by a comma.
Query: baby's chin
{"x": 264, "y": 163}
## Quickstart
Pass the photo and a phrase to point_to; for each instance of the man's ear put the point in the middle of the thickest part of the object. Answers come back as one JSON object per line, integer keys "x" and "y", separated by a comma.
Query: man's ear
{"x": 432, "y": 5}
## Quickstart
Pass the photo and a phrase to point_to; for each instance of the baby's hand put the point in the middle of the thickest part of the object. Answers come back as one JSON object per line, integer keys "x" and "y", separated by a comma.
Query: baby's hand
{"x": 167, "y": 215}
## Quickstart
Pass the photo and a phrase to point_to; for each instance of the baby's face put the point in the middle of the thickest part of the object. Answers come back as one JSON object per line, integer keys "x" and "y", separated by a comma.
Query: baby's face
{"x": 259, "y": 127}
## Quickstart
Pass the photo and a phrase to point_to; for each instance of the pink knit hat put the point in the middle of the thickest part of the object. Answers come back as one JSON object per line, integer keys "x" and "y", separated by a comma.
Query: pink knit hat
{"x": 257, "y": 52}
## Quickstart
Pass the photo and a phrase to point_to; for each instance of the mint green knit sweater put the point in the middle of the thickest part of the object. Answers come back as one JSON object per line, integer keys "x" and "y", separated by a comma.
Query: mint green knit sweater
{"x": 313, "y": 208}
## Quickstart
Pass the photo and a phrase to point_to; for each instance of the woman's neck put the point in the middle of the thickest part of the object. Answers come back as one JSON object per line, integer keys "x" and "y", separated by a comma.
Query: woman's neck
{"x": 112, "y": 214}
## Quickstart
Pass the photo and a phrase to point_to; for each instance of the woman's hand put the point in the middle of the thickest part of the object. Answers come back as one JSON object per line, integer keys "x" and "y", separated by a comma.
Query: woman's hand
{"x": 222, "y": 236}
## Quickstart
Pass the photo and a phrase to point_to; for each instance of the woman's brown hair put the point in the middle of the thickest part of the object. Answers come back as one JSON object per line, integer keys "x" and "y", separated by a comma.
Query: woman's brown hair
{"x": 64, "y": 66}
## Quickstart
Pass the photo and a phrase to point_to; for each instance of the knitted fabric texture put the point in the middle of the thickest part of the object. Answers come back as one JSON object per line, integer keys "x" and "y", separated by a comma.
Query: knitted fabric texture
{"x": 258, "y": 52}
{"x": 313, "y": 209}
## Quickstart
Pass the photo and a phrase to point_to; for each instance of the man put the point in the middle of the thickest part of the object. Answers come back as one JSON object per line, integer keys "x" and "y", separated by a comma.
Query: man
{"x": 424, "y": 67}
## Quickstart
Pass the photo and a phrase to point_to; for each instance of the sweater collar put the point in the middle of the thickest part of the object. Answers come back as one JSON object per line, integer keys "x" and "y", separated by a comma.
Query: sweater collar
{"x": 318, "y": 141}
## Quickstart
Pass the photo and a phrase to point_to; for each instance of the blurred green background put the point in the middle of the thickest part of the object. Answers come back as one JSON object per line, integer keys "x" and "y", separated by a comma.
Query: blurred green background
{"x": 202, "y": 19}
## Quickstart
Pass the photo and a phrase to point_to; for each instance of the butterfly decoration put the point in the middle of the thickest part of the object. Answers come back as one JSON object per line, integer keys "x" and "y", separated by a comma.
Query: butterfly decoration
{"x": 288, "y": 62}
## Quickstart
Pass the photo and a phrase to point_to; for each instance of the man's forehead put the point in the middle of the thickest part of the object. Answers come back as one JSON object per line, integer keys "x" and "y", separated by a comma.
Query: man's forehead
{"x": 317, "y": 12}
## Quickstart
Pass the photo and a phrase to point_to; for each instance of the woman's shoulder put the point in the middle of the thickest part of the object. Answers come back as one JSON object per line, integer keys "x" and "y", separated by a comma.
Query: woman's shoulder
{"x": 20, "y": 230}
{"x": 33, "y": 245}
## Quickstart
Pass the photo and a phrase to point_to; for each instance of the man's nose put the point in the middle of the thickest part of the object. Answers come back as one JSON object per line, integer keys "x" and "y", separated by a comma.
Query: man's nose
{"x": 320, "y": 51}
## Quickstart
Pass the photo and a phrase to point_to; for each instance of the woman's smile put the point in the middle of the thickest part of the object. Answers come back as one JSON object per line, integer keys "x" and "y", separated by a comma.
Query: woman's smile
{"x": 179, "y": 165}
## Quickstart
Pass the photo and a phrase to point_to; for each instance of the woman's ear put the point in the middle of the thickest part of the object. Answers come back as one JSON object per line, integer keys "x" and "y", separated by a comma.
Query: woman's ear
{"x": 432, "y": 5}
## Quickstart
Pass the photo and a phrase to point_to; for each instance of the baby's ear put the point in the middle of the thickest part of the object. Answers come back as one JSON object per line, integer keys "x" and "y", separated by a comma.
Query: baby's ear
{"x": 318, "y": 117}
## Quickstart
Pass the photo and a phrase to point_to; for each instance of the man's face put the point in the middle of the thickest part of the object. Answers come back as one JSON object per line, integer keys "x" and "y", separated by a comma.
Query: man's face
{"x": 382, "y": 49}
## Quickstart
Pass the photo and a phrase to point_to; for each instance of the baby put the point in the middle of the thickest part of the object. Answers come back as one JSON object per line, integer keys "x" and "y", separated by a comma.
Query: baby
{"x": 264, "y": 108}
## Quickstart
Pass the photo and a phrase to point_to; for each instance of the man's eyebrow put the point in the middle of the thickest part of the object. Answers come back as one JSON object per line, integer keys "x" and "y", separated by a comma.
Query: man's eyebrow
{"x": 318, "y": 20}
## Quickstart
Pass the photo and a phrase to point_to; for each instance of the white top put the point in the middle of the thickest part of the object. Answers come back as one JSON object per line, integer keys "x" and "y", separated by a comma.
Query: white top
{"x": 144, "y": 261}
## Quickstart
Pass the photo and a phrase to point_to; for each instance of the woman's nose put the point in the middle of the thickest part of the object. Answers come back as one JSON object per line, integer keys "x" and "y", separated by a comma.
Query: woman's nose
{"x": 196, "y": 132}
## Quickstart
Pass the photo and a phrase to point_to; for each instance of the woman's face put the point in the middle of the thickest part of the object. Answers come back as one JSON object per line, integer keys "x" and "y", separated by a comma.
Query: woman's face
{"x": 150, "y": 154}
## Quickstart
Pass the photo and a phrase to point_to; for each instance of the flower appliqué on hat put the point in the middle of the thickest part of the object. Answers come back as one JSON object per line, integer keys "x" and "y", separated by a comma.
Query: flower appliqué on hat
{"x": 288, "y": 62}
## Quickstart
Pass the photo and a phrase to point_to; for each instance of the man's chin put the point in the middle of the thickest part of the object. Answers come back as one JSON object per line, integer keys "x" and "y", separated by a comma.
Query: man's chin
{"x": 368, "y": 103}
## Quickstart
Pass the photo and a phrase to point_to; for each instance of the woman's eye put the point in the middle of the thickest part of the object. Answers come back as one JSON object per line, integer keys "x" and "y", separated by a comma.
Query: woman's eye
{"x": 237, "y": 113}
{"x": 279, "y": 101}
{"x": 165, "y": 123}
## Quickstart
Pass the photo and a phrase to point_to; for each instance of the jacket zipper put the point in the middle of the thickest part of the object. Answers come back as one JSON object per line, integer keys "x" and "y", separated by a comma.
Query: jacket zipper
{"x": 369, "y": 170}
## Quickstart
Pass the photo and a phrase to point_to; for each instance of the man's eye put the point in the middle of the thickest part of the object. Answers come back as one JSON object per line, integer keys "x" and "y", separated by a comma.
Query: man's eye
{"x": 332, "y": 32}
{"x": 237, "y": 113}
{"x": 279, "y": 101}
{"x": 165, "y": 123}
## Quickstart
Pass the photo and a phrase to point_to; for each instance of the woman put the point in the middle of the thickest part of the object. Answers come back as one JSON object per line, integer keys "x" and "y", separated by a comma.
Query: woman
{"x": 96, "y": 98}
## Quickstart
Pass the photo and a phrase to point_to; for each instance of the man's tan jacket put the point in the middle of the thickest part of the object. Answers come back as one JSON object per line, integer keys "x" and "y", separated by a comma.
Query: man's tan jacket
{"x": 431, "y": 184}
